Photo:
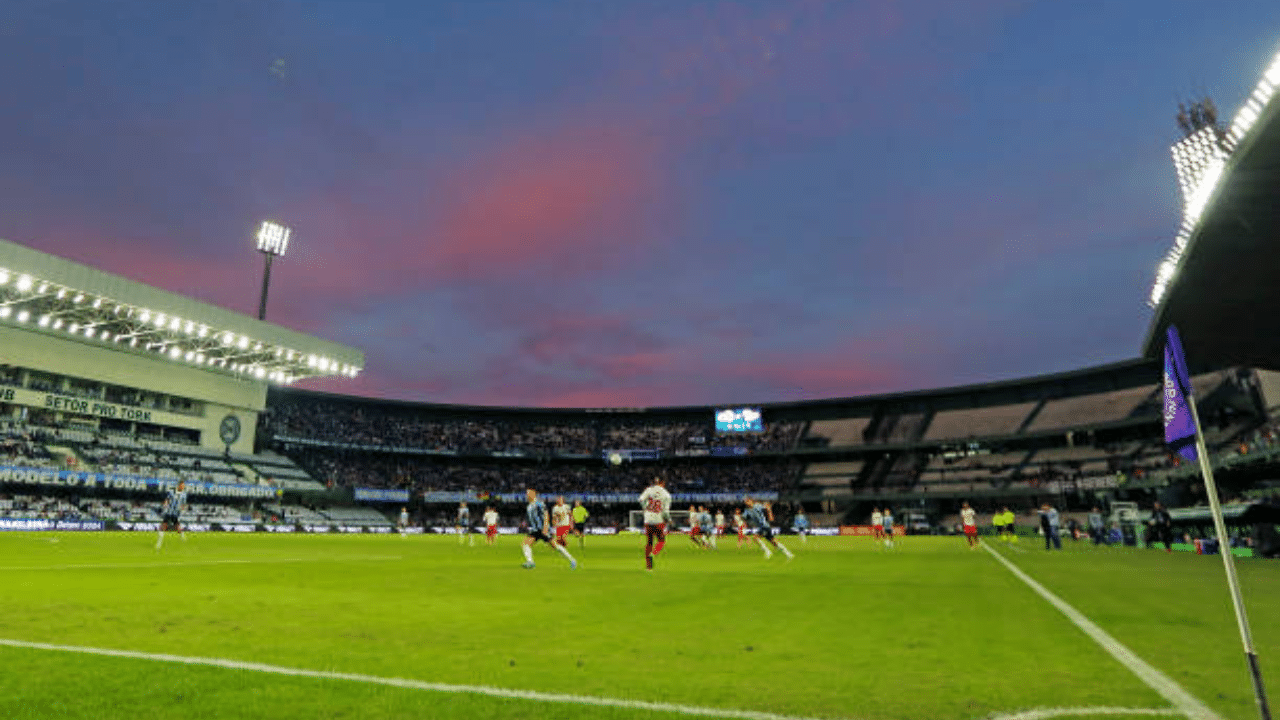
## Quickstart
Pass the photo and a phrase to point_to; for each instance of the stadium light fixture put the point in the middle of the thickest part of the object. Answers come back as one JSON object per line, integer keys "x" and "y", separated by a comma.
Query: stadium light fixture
{"x": 273, "y": 240}
{"x": 4, "y": 276}
{"x": 1201, "y": 161}
{"x": 5, "y": 312}
{"x": 25, "y": 282}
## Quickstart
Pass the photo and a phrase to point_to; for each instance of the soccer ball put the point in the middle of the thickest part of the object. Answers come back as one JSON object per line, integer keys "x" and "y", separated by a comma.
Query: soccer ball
{"x": 615, "y": 458}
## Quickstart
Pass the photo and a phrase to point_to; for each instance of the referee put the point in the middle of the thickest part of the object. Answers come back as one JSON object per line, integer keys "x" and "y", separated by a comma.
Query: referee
{"x": 580, "y": 515}
{"x": 1162, "y": 526}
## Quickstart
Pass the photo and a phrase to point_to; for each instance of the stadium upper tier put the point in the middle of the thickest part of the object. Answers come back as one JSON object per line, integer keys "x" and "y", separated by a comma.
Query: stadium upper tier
{"x": 1119, "y": 395}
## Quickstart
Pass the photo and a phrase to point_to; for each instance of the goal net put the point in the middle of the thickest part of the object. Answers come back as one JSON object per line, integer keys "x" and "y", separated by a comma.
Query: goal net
{"x": 681, "y": 518}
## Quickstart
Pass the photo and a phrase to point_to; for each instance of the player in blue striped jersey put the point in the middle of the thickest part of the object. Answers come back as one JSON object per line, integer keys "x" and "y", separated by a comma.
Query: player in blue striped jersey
{"x": 801, "y": 525}
{"x": 539, "y": 528}
{"x": 708, "y": 526}
{"x": 462, "y": 524}
{"x": 760, "y": 517}
{"x": 170, "y": 515}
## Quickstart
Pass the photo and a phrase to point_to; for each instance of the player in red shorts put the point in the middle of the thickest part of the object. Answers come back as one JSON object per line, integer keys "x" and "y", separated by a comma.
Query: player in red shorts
{"x": 968, "y": 518}
{"x": 741, "y": 525}
{"x": 695, "y": 532}
{"x": 490, "y": 525}
{"x": 656, "y": 502}
{"x": 562, "y": 520}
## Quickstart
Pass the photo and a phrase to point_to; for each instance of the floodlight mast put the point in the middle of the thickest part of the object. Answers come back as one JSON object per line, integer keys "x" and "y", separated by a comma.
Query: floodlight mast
{"x": 273, "y": 240}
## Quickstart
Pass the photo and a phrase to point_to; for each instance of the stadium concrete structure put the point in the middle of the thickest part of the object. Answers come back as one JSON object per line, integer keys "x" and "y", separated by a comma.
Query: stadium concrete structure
{"x": 102, "y": 375}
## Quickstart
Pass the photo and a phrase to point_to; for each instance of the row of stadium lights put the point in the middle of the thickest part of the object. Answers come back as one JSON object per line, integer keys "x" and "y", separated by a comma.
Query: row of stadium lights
{"x": 1213, "y": 158}
{"x": 25, "y": 283}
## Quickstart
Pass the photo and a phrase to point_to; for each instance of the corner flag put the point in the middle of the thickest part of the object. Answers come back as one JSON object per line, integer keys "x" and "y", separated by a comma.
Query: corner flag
{"x": 1179, "y": 428}
{"x": 1182, "y": 433}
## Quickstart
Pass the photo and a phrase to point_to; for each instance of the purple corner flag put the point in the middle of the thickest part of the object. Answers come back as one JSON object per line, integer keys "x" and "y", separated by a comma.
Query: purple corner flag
{"x": 1179, "y": 429}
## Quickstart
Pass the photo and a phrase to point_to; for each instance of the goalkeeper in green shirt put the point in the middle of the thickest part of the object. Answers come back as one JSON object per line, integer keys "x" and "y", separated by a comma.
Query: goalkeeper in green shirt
{"x": 580, "y": 515}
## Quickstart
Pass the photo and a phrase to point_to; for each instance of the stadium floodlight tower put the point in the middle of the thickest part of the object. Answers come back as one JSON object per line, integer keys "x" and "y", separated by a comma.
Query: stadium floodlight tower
{"x": 273, "y": 240}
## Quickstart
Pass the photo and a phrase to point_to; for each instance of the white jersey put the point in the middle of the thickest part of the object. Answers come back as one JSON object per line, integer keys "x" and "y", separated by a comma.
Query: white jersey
{"x": 656, "y": 502}
{"x": 738, "y": 522}
{"x": 719, "y": 519}
{"x": 404, "y": 518}
{"x": 877, "y": 518}
{"x": 560, "y": 516}
{"x": 968, "y": 517}
{"x": 491, "y": 518}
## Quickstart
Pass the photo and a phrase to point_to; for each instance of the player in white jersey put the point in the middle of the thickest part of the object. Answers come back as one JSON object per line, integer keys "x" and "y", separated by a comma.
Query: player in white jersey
{"x": 740, "y": 525}
{"x": 403, "y": 523}
{"x": 462, "y": 524}
{"x": 490, "y": 525}
{"x": 877, "y": 524}
{"x": 656, "y": 502}
{"x": 969, "y": 519}
{"x": 561, "y": 521}
{"x": 720, "y": 522}
{"x": 695, "y": 530}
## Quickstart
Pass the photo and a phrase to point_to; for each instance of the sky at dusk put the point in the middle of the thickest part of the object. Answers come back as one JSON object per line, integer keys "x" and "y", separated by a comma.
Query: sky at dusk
{"x": 622, "y": 204}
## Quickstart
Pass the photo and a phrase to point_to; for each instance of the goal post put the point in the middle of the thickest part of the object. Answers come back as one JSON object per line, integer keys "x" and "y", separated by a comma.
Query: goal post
{"x": 680, "y": 517}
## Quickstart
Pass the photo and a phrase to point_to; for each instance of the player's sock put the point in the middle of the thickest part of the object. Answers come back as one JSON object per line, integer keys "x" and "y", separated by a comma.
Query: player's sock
{"x": 528, "y": 553}
{"x": 658, "y": 548}
{"x": 784, "y": 550}
{"x": 767, "y": 553}
{"x": 159, "y": 539}
{"x": 565, "y": 552}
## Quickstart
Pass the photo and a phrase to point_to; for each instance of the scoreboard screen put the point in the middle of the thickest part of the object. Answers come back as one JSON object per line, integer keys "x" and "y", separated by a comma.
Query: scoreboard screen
{"x": 736, "y": 420}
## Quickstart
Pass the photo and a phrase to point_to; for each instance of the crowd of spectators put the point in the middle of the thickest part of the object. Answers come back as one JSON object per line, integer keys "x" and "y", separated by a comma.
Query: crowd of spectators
{"x": 399, "y": 427}
{"x": 424, "y": 474}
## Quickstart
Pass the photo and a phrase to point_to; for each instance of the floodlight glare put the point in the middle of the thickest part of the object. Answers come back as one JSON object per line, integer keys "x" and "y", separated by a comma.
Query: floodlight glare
{"x": 44, "y": 287}
{"x": 44, "y": 320}
{"x": 25, "y": 282}
{"x": 5, "y": 311}
{"x": 62, "y": 293}
{"x": 273, "y": 238}
{"x": 23, "y": 316}
{"x": 4, "y": 277}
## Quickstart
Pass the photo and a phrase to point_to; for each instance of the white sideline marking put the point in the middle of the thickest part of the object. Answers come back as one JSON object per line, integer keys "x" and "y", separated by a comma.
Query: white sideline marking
{"x": 1046, "y": 713}
{"x": 414, "y": 684}
{"x": 1185, "y": 702}
{"x": 237, "y": 561}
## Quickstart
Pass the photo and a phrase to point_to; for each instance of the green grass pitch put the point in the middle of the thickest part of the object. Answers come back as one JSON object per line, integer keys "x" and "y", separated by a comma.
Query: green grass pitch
{"x": 930, "y": 631}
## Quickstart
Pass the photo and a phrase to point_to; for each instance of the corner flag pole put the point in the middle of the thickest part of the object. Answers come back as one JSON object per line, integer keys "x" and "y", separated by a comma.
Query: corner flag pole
{"x": 1175, "y": 366}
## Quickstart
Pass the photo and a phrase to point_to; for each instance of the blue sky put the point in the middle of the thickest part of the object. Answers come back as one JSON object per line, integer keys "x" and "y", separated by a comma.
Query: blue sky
{"x": 630, "y": 204}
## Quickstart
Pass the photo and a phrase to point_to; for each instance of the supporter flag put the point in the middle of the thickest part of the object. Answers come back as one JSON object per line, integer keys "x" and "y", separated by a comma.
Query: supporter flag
{"x": 1179, "y": 428}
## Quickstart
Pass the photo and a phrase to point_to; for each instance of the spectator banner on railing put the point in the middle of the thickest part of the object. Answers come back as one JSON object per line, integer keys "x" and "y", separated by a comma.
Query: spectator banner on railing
{"x": 381, "y": 495}
{"x": 403, "y": 449}
{"x": 77, "y": 479}
{"x": 730, "y": 451}
{"x": 97, "y": 408}
{"x": 630, "y": 454}
{"x": 439, "y": 496}
{"x": 40, "y": 524}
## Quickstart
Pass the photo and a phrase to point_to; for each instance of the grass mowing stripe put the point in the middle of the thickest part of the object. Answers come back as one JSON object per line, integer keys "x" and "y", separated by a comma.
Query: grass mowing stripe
{"x": 413, "y": 684}
{"x": 1188, "y": 704}
{"x": 118, "y": 566}
{"x": 1047, "y": 713}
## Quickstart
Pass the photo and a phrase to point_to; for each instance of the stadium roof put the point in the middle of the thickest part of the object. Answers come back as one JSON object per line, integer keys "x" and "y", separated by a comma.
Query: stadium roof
{"x": 1220, "y": 284}
{"x": 44, "y": 293}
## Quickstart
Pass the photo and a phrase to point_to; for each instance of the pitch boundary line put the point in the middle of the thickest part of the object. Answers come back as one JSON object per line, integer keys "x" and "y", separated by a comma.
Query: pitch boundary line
{"x": 409, "y": 684}
{"x": 233, "y": 561}
{"x": 1185, "y": 702}
{"x": 1057, "y": 712}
